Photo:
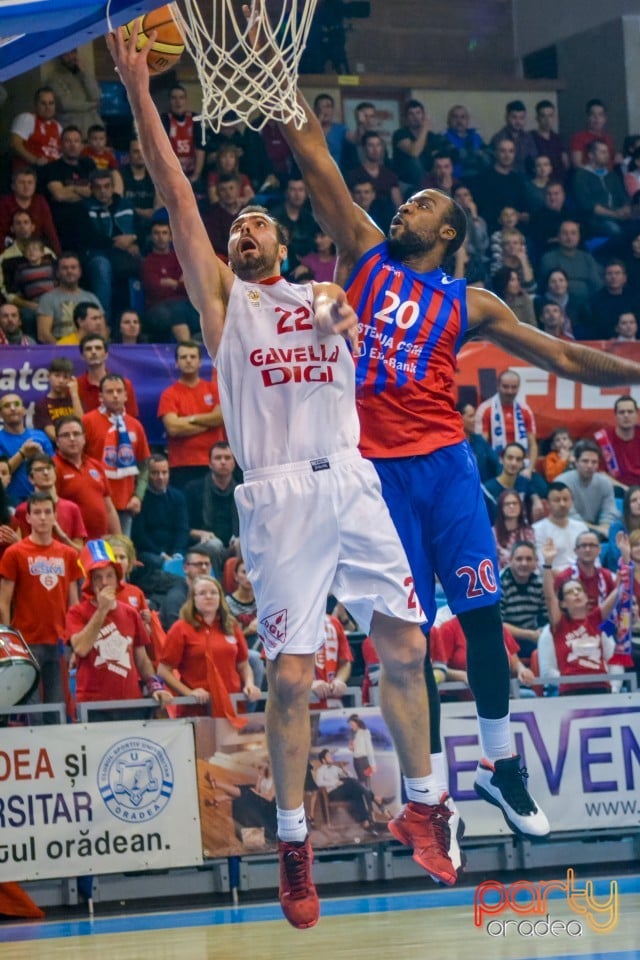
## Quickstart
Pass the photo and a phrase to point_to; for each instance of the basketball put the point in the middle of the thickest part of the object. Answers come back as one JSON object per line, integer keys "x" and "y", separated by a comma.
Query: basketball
{"x": 168, "y": 46}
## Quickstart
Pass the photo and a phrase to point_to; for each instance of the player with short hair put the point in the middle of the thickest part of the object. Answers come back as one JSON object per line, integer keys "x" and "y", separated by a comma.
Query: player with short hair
{"x": 287, "y": 390}
{"x": 414, "y": 319}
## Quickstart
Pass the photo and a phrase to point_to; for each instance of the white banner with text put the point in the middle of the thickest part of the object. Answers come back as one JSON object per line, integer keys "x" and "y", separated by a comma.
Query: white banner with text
{"x": 100, "y": 798}
{"x": 582, "y": 755}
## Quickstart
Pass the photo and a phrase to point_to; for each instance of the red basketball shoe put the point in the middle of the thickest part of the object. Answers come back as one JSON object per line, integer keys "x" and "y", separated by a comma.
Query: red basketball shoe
{"x": 298, "y": 895}
{"x": 426, "y": 829}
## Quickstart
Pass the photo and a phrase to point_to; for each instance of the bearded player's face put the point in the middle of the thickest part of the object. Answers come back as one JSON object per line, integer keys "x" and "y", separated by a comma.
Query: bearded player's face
{"x": 416, "y": 227}
{"x": 254, "y": 249}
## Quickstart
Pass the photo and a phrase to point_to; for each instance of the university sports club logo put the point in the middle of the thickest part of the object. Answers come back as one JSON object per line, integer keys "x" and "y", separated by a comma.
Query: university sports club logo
{"x": 135, "y": 779}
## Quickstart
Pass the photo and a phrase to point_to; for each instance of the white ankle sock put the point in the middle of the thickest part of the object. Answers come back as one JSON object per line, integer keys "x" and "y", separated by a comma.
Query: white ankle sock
{"x": 423, "y": 789}
{"x": 495, "y": 738}
{"x": 292, "y": 825}
{"x": 439, "y": 771}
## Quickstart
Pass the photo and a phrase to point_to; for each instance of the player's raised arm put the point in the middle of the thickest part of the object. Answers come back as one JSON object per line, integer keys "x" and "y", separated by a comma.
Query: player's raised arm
{"x": 206, "y": 278}
{"x": 492, "y": 319}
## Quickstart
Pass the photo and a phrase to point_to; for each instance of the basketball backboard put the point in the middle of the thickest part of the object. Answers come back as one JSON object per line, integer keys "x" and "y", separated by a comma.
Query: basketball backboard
{"x": 34, "y": 31}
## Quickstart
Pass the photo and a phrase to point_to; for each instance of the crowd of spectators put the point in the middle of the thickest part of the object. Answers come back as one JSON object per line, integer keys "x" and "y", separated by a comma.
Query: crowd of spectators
{"x": 86, "y": 258}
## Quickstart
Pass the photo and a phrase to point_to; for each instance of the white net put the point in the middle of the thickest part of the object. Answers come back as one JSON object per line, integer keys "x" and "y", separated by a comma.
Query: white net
{"x": 246, "y": 74}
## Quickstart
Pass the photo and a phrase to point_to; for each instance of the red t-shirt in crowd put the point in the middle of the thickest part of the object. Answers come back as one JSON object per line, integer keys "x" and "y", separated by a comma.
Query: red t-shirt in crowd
{"x": 448, "y": 644}
{"x": 156, "y": 267}
{"x": 87, "y": 485}
{"x": 42, "y": 578}
{"x": 592, "y": 585}
{"x": 39, "y": 211}
{"x": 90, "y": 395}
{"x": 581, "y": 140}
{"x": 133, "y": 596}
{"x": 108, "y": 671}
{"x": 484, "y": 415}
{"x": 628, "y": 456}
{"x": 68, "y": 515}
{"x": 579, "y": 649}
{"x": 185, "y": 651}
{"x": 102, "y": 443}
{"x": 186, "y": 401}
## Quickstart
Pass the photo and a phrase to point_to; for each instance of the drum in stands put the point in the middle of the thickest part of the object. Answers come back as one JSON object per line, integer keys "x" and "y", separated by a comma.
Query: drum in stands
{"x": 19, "y": 671}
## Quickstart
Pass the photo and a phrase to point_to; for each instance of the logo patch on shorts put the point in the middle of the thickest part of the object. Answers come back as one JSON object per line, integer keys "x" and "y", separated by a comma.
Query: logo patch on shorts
{"x": 275, "y": 630}
{"x": 322, "y": 464}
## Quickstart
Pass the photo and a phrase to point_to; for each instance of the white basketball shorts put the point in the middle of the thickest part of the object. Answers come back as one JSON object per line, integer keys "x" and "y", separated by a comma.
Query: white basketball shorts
{"x": 314, "y": 528}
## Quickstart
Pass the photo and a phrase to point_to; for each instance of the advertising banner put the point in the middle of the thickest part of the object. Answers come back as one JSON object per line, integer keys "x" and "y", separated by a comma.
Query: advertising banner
{"x": 100, "y": 798}
{"x": 348, "y": 799}
{"x": 151, "y": 368}
{"x": 582, "y": 755}
{"x": 555, "y": 402}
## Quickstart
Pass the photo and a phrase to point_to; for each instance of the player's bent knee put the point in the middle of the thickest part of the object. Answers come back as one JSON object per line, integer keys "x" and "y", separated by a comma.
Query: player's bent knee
{"x": 400, "y": 645}
{"x": 289, "y": 677}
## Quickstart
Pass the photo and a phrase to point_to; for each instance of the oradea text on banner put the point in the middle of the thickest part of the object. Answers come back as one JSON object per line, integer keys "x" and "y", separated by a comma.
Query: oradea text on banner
{"x": 104, "y": 798}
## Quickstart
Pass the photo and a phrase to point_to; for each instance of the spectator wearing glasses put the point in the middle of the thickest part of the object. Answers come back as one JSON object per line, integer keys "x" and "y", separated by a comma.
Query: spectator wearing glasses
{"x": 196, "y": 563}
{"x": 579, "y": 645}
{"x": 598, "y": 582}
{"x": 83, "y": 480}
{"x": 68, "y": 526}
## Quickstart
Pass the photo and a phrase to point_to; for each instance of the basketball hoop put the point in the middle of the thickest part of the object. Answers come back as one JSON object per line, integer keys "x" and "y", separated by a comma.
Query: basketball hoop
{"x": 253, "y": 80}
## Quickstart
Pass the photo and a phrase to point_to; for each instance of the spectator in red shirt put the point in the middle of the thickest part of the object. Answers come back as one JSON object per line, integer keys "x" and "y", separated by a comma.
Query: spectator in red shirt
{"x": 621, "y": 446}
{"x": 103, "y": 155}
{"x": 502, "y": 419}
{"x": 83, "y": 480}
{"x": 579, "y": 644}
{"x": 448, "y": 648}
{"x": 168, "y": 310}
{"x": 190, "y": 412}
{"x": 595, "y": 130}
{"x": 94, "y": 350}
{"x": 109, "y": 639}
{"x": 119, "y": 442}
{"x": 23, "y": 196}
{"x": 38, "y": 584}
{"x": 598, "y": 582}
{"x": 69, "y": 526}
{"x": 34, "y": 139}
{"x": 208, "y": 649}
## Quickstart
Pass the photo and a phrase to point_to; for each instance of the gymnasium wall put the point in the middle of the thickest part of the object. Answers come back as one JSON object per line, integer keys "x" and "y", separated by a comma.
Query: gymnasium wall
{"x": 540, "y": 24}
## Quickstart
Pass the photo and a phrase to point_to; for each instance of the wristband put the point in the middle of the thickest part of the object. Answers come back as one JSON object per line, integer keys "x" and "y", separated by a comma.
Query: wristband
{"x": 153, "y": 685}
{"x": 547, "y": 566}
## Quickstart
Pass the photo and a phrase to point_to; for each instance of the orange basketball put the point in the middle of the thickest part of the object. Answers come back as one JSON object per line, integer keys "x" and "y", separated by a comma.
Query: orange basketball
{"x": 168, "y": 46}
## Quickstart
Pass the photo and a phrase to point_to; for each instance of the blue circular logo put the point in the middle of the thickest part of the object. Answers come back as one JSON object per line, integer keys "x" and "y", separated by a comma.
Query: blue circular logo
{"x": 135, "y": 780}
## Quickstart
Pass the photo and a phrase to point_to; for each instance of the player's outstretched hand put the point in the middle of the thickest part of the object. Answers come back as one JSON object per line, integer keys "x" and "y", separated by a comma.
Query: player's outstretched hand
{"x": 131, "y": 64}
{"x": 335, "y": 315}
{"x": 345, "y": 321}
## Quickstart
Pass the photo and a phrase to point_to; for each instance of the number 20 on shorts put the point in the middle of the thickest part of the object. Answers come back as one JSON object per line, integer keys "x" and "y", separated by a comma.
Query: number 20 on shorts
{"x": 482, "y": 580}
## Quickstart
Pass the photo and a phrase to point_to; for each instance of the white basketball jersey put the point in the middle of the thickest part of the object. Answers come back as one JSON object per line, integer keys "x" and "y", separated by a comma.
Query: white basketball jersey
{"x": 287, "y": 393}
